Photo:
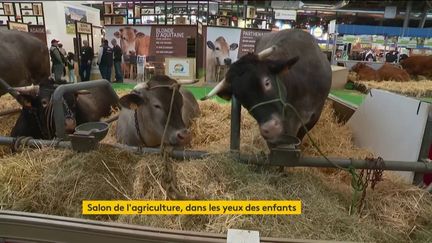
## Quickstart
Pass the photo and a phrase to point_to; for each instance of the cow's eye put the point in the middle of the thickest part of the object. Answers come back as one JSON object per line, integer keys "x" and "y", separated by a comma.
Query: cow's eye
{"x": 157, "y": 106}
{"x": 217, "y": 48}
{"x": 267, "y": 83}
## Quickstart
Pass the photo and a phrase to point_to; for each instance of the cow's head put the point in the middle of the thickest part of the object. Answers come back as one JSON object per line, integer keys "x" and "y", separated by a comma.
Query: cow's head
{"x": 257, "y": 84}
{"x": 151, "y": 102}
{"x": 220, "y": 50}
{"x": 127, "y": 36}
{"x": 359, "y": 66}
{"x": 37, "y": 118}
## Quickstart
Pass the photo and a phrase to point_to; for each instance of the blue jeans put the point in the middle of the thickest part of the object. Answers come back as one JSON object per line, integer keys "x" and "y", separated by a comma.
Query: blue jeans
{"x": 84, "y": 71}
{"x": 72, "y": 76}
{"x": 118, "y": 72}
{"x": 105, "y": 71}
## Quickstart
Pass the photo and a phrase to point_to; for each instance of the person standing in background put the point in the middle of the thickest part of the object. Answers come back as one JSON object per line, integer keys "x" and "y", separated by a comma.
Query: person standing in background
{"x": 71, "y": 67}
{"x": 117, "y": 61}
{"x": 64, "y": 56}
{"x": 57, "y": 61}
{"x": 105, "y": 60}
{"x": 86, "y": 61}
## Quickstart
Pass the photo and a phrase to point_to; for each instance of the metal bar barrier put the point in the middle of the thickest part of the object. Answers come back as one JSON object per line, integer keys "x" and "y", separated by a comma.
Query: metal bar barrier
{"x": 59, "y": 118}
{"x": 279, "y": 158}
{"x": 48, "y": 228}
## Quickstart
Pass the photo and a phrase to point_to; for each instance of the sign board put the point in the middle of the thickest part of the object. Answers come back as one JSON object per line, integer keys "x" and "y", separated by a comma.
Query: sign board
{"x": 428, "y": 43}
{"x": 247, "y": 40}
{"x": 18, "y": 26}
{"x": 317, "y": 31}
{"x": 332, "y": 27}
{"x": 412, "y": 43}
{"x": 349, "y": 38}
{"x": 390, "y": 12}
{"x": 285, "y": 14}
{"x": 286, "y": 4}
{"x": 84, "y": 28}
{"x": 378, "y": 39}
{"x": 180, "y": 67}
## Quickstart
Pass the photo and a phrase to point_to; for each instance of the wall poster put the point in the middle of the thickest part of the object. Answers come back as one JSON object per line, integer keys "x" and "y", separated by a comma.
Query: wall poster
{"x": 72, "y": 14}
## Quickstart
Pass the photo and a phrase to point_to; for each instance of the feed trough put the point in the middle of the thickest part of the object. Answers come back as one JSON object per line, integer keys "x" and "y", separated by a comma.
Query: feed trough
{"x": 88, "y": 135}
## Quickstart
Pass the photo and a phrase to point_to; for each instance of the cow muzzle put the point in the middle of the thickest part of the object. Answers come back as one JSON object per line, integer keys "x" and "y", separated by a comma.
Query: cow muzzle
{"x": 181, "y": 138}
{"x": 272, "y": 129}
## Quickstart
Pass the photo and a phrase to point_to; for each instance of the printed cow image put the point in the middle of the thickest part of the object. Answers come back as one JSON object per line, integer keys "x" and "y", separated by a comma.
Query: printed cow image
{"x": 218, "y": 55}
{"x": 132, "y": 41}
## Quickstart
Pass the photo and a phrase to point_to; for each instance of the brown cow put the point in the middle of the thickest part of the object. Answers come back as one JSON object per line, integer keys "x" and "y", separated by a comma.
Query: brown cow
{"x": 390, "y": 72}
{"x": 418, "y": 65}
{"x": 364, "y": 72}
{"x": 24, "y": 59}
{"x": 143, "y": 120}
{"x": 387, "y": 72}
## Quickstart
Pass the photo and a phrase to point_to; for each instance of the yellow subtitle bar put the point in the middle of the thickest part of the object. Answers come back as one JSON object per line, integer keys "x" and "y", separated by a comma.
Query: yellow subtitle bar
{"x": 191, "y": 207}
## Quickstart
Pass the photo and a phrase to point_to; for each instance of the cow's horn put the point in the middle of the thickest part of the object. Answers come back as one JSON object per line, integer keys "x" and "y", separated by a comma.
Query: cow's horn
{"x": 215, "y": 90}
{"x": 30, "y": 90}
{"x": 141, "y": 86}
{"x": 266, "y": 52}
{"x": 188, "y": 81}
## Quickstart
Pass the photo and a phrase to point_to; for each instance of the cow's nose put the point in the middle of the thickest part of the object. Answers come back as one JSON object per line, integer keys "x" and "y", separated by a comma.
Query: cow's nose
{"x": 271, "y": 129}
{"x": 227, "y": 61}
{"x": 183, "y": 137}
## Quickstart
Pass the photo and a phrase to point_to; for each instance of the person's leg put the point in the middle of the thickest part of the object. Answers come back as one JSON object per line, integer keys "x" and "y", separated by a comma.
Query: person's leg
{"x": 58, "y": 72}
{"x": 109, "y": 72}
{"x": 88, "y": 71}
{"x": 118, "y": 72}
{"x": 81, "y": 71}
{"x": 102, "y": 71}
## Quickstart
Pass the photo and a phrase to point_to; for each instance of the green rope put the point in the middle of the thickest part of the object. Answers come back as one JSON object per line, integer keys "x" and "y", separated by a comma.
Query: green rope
{"x": 356, "y": 184}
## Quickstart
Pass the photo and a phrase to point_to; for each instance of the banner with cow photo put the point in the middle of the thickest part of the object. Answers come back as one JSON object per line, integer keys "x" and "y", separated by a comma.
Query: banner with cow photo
{"x": 151, "y": 44}
{"x": 224, "y": 46}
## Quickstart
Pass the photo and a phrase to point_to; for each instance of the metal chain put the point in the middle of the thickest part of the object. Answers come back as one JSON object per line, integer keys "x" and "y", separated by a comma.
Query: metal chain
{"x": 373, "y": 175}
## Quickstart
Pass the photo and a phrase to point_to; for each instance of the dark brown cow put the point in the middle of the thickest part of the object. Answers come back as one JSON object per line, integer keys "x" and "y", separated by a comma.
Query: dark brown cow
{"x": 365, "y": 73}
{"x": 24, "y": 59}
{"x": 418, "y": 65}
{"x": 390, "y": 72}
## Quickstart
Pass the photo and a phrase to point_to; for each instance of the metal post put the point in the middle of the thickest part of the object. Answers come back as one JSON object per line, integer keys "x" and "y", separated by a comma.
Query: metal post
{"x": 333, "y": 61}
{"x": 407, "y": 15}
{"x": 59, "y": 118}
{"x": 235, "y": 125}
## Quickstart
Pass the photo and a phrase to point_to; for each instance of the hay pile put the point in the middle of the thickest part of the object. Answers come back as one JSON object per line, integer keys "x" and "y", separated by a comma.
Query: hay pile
{"x": 7, "y": 102}
{"x": 412, "y": 88}
{"x": 56, "y": 181}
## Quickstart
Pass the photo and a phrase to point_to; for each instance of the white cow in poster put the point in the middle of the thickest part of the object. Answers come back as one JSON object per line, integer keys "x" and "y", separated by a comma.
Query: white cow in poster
{"x": 218, "y": 54}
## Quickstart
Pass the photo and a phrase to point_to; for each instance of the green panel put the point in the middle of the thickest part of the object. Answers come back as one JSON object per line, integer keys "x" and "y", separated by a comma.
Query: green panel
{"x": 354, "y": 97}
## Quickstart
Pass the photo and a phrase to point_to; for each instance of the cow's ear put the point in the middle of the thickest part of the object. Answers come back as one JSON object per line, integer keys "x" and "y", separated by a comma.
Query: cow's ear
{"x": 117, "y": 34}
{"x": 131, "y": 101}
{"x": 211, "y": 45}
{"x": 25, "y": 100}
{"x": 135, "y": 31}
{"x": 233, "y": 46}
{"x": 121, "y": 30}
{"x": 281, "y": 66}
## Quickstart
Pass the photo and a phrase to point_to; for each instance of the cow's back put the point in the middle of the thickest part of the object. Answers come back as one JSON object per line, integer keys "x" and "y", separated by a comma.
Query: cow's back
{"x": 418, "y": 65}
{"x": 308, "y": 82}
{"x": 24, "y": 59}
{"x": 390, "y": 72}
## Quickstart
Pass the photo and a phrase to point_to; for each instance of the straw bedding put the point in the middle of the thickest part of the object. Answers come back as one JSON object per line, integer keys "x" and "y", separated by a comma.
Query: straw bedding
{"x": 56, "y": 181}
{"x": 413, "y": 88}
